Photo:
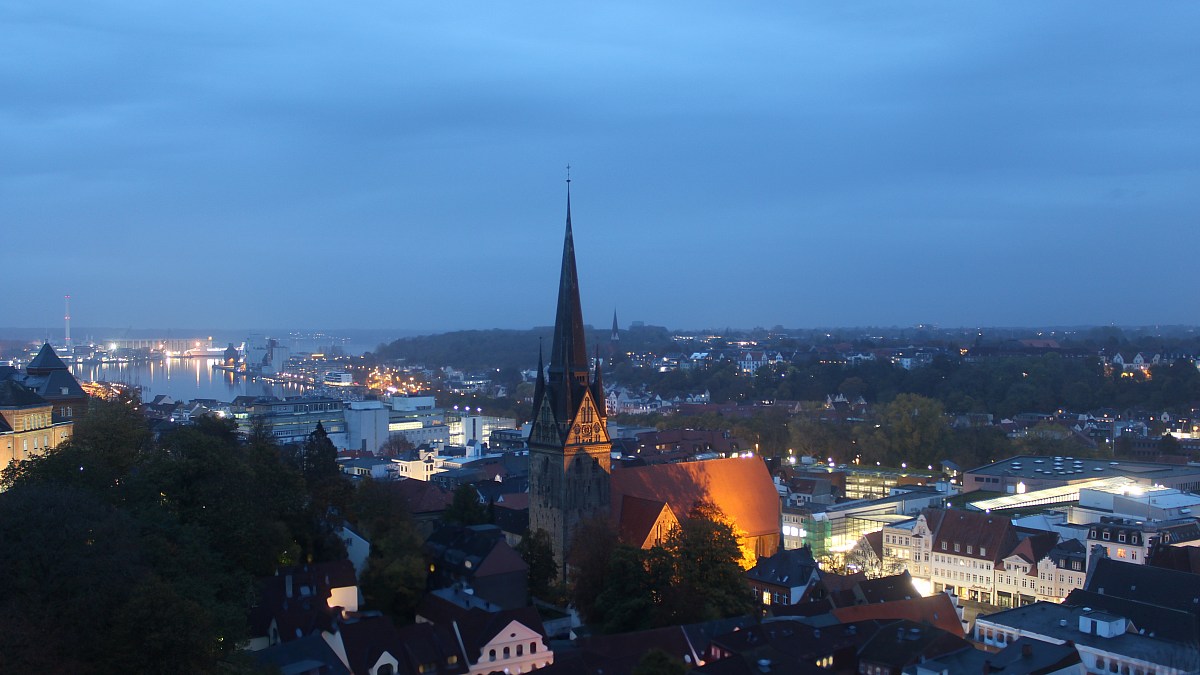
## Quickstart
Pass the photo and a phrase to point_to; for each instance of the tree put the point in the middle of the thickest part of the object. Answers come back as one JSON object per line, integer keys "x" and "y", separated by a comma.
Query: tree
{"x": 329, "y": 493}
{"x": 913, "y": 430}
{"x": 395, "y": 446}
{"x": 699, "y": 570}
{"x": 694, "y": 575}
{"x": 394, "y": 579}
{"x": 465, "y": 509}
{"x": 591, "y": 549}
{"x": 538, "y": 553}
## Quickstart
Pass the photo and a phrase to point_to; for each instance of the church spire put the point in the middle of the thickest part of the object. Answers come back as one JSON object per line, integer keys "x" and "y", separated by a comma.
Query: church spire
{"x": 568, "y": 351}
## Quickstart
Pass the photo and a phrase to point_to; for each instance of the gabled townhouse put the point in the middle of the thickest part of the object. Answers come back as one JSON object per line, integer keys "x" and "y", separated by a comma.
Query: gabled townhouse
{"x": 1062, "y": 570}
{"x": 492, "y": 639}
{"x": 962, "y": 550}
{"x": 1017, "y": 574}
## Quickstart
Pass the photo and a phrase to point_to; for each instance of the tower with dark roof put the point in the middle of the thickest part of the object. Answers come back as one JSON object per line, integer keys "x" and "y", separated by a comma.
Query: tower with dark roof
{"x": 569, "y": 447}
{"x": 52, "y": 380}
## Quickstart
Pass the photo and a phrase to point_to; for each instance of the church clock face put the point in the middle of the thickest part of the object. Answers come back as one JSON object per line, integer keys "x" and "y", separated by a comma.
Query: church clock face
{"x": 585, "y": 432}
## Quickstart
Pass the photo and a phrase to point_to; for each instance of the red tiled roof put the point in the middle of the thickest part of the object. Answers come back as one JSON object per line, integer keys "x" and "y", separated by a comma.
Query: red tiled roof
{"x": 936, "y": 610}
{"x": 424, "y": 497}
{"x": 740, "y": 487}
{"x": 638, "y": 517}
{"x": 994, "y": 535}
{"x": 501, "y": 560}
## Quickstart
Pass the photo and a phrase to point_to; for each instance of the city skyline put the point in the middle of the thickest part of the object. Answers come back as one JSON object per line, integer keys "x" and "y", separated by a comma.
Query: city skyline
{"x": 277, "y": 165}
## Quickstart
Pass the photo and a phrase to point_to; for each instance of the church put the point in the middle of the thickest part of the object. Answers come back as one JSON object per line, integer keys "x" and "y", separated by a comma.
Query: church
{"x": 571, "y": 476}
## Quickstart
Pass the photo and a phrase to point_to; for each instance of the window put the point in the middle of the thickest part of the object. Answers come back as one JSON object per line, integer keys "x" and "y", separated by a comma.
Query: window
{"x": 1107, "y": 536}
{"x": 982, "y": 550}
{"x": 491, "y": 655}
{"x": 1120, "y": 553}
{"x": 507, "y": 653}
{"x": 532, "y": 647}
{"x": 520, "y": 650}
{"x": 956, "y": 549}
{"x": 943, "y": 546}
{"x": 1121, "y": 537}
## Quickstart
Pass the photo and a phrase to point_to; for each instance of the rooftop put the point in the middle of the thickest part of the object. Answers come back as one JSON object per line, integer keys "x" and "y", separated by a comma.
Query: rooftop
{"x": 1078, "y": 469}
{"x": 1061, "y": 622}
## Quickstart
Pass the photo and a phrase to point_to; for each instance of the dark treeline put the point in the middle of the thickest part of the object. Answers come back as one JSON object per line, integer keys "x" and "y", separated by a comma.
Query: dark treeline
{"x": 1001, "y": 386}
{"x": 491, "y": 349}
{"x": 123, "y": 553}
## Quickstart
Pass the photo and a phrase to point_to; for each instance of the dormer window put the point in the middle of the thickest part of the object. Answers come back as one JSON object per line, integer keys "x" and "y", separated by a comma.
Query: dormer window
{"x": 982, "y": 550}
{"x": 1134, "y": 539}
{"x": 1107, "y": 536}
{"x": 969, "y": 549}
{"x": 956, "y": 549}
{"x": 1121, "y": 537}
{"x": 943, "y": 546}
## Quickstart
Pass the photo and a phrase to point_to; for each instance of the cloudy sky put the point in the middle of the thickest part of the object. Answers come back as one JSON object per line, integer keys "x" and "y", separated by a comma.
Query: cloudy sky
{"x": 400, "y": 164}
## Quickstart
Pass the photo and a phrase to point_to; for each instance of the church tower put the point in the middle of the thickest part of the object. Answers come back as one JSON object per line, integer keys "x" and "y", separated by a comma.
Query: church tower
{"x": 569, "y": 448}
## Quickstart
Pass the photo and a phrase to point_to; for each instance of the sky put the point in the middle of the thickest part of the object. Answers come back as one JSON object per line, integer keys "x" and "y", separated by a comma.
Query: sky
{"x": 401, "y": 164}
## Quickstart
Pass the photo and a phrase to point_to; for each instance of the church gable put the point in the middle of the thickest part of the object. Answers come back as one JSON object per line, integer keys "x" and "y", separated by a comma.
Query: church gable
{"x": 588, "y": 426}
{"x": 545, "y": 427}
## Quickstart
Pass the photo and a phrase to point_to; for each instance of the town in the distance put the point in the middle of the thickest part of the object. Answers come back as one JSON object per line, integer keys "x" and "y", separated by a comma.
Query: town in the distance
{"x": 620, "y": 500}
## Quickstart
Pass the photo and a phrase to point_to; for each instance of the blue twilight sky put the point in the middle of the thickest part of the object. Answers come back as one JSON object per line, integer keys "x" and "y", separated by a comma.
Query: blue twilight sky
{"x": 400, "y": 164}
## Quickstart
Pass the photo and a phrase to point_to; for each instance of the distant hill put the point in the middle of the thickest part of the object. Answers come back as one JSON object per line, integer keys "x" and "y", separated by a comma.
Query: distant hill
{"x": 480, "y": 349}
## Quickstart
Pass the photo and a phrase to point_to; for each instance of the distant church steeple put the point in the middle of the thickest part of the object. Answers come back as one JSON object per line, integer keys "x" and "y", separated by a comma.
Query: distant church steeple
{"x": 570, "y": 458}
{"x": 616, "y": 331}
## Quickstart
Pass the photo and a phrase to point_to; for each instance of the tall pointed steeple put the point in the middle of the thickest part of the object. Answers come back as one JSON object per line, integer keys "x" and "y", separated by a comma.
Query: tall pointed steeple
{"x": 568, "y": 352}
{"x": 570, "y": 451}
{"x": 616, "y": 331}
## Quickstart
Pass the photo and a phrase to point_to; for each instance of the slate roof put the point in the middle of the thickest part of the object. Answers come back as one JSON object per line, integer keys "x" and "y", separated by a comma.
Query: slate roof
{"x": 887, "y": 589}
{"x": 1046, "y": 618}
{"x": 46, "y": 360}
{"x": 56, "y": 384}
{"x": 425, "y": 644}
{"x": 902, "y": 643}
{"x": 1165, "y": 623}
{"x": 16, "y": 395}
{"x": 1144, "y": 583}
{"x": 468, "y": 551}
{"x": 1025, "y": 656}
{"x": 366, "y": 638}
{"x": 304, "y": 655}
{"x": 789, "y": 568}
